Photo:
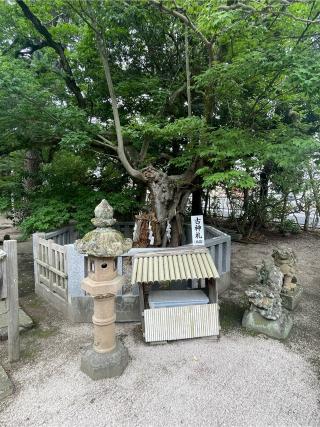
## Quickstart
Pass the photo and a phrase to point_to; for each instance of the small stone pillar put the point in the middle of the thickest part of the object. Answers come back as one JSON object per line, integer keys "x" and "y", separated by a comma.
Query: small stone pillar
{"x": 108, "y": 357}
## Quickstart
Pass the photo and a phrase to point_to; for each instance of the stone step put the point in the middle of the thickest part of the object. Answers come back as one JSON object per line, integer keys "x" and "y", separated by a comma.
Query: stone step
{"x": 25, "y": 321}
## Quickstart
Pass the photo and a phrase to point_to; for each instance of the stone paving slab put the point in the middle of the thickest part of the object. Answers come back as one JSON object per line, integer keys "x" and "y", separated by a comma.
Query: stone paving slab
{"x": 25, "y": 321}
{"x": 6, "y": 386}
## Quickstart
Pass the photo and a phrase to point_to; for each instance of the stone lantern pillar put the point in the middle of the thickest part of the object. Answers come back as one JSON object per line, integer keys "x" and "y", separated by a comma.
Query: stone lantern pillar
{"x": 108, "y": 357}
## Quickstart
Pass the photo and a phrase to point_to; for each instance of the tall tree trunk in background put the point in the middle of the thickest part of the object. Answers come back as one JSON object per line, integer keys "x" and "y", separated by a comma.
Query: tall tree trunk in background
{"x": 206, "y": 203}
{"x": 245, "y": 209}
{"x": 186, "y": 41}
{"x": 306, "y": 218}
{"x": 315, "y": 187}
{"x": 264, "y": 183}
{"x": 264, "y": 192}
{"x": 31, "y": 169}
{"x": 284, "y": 209}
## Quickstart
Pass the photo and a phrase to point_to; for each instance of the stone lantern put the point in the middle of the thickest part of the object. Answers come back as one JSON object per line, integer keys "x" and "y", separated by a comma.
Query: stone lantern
{"x": 108, "y": 357}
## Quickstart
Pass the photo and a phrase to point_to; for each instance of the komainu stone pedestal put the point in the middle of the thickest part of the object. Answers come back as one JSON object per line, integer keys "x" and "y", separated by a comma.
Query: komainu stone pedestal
{"x": 105, "y": 365}
{"x": 291, "y": 299}
{"x": 279, "y": 329}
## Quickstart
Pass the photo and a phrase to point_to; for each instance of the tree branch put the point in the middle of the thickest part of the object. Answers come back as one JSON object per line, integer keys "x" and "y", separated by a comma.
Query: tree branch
{"x": 177, "y": 13}
{"x": 236, "y": 6}
{"x": 248, "y": 8}
{"x": 90, "y": 20}
{"x": 106, "y": 143}
{"x": 30, "y": 48}
{"x": 102, "y": 48}
{"x": 59, "y": 49}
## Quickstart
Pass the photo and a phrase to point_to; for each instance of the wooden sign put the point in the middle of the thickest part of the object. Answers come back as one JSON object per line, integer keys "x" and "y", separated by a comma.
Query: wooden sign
{"x": 197, "y": 230}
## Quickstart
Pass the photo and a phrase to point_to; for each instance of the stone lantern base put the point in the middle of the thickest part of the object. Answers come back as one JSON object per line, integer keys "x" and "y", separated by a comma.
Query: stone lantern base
{"x": 105, "y": 365}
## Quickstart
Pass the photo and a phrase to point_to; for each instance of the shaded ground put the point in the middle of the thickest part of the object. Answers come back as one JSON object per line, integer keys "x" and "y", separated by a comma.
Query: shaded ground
{"x": 241, "y": 380}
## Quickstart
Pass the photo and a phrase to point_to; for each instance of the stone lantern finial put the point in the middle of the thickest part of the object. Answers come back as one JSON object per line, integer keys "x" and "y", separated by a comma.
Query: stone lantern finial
{"x": 103, "y": 215}
{"x": 104, "y": 241}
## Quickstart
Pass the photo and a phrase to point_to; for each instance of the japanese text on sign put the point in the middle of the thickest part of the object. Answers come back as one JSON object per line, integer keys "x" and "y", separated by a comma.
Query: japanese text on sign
{"x": 197, "y": 230}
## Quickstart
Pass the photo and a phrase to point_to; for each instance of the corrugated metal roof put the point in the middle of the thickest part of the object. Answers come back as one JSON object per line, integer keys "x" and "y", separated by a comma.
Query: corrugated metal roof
{"x": 174, "y": 264}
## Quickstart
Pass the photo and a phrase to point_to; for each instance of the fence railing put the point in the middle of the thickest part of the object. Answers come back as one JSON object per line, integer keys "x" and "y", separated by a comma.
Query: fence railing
{"x": 63, "y": 236}
{"x": 51, "y": 266}
{"x": 59, "y": 268}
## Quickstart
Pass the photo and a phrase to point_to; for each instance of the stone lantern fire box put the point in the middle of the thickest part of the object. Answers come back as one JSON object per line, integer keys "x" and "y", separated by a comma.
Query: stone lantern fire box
{"x": 108, "y": 357}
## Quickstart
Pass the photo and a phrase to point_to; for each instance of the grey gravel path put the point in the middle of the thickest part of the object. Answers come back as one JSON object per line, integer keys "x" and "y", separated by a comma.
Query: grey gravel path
{"x": 239, "y": 381}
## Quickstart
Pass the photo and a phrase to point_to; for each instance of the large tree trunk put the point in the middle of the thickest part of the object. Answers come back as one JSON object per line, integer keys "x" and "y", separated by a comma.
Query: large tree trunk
{"x": 168, "y": 195}
{"x": 32, "y": 162}
{"x": 168, "y": 201}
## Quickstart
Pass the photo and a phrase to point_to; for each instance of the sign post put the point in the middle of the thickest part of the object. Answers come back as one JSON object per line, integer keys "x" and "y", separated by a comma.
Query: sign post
{"x": 197, "y": 230}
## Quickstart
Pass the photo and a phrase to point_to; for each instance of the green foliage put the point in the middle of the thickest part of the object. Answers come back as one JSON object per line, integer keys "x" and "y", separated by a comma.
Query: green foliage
{"x": 289, "y": 226}
{"x": 69, "y": 193}
{"x": 255, "y": 104}
{"x": 234, "y": 179}
{"x": 44, "y": 218}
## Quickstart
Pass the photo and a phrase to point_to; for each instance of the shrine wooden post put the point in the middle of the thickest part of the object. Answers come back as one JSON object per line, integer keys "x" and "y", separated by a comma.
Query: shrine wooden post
{"x": 10, "y": 283}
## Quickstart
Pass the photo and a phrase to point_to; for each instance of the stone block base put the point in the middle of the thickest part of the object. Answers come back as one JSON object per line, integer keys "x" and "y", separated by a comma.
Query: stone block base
{"x": 79, "y": 309}
{"x": 127, "y": 308}
{"x": 279, "y": 329}
{"x": 291, "y": 300}
{"x": 6, "y": 386}
{"x": 105, "y": 365}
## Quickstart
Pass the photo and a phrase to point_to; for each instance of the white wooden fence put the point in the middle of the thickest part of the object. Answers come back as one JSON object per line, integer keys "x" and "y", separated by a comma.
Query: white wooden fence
{"x": 51, "y": 266}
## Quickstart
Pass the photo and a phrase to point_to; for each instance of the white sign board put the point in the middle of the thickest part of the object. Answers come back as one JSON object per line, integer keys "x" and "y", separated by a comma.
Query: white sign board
{"x": 197, "y": 230}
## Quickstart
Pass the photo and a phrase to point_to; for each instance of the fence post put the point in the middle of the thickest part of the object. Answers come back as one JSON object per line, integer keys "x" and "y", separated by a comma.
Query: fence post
{"x": 3, "y": 289}
{"x": 10, "y": 278}
{"x": 49, "y": 260}
{"x": 35, "y": 245}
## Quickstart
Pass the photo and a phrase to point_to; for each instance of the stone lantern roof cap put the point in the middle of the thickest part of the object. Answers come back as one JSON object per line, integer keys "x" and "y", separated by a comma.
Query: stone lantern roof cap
{"x": 104, "y": 241}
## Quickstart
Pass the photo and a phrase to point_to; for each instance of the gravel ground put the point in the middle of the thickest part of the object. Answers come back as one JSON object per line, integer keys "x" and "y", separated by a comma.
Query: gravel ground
{"x": 240, "y": 380}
